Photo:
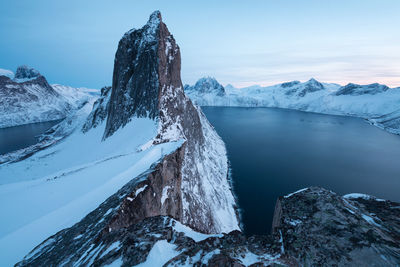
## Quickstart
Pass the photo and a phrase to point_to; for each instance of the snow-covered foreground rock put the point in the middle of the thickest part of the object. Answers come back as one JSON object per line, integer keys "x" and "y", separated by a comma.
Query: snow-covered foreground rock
{"x": 27, "y": 97}
{"x": 365, "y": 101}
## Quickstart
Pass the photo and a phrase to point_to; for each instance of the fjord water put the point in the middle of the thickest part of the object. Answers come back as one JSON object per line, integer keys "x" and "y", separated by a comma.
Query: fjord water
{"x": 14, "y": 138}
{"x": 274, "y": 152}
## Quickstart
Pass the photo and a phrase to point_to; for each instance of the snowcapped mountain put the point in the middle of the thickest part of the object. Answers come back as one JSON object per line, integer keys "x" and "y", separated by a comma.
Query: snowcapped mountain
{"x": 144, "y": 150}
{"x": 143, "y": 180}
{"x": 365, "y": 101}
{"x": 27, "y": 97}
{"x": 207, "y": 85}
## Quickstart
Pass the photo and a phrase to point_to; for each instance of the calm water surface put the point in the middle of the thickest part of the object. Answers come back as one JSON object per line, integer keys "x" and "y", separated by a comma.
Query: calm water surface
{"x": 14, "y": 138}
{"x": 274, "y": 152}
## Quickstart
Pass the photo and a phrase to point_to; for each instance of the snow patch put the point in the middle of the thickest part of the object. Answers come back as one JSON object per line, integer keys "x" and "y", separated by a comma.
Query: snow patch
{"x": 161, "y": 252}
{"x": 165, "y": 194}
{"x": 363, "y": 196}
{"x": 189, "y": 232}
{"x": 298, "y": 191}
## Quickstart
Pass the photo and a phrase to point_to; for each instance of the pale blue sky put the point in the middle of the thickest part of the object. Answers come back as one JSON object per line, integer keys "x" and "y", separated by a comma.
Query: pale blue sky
{"x": 239, "y": 42}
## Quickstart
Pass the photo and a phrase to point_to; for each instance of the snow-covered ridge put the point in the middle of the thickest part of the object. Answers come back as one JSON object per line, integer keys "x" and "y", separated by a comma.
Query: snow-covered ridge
{"x": 366, "y": 101}
{"x": 28, "y": 98}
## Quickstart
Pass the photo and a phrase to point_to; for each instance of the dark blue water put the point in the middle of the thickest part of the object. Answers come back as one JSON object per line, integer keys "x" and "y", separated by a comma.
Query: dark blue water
{"x": 14, "y": 138}
{"x": 274, "y": 152}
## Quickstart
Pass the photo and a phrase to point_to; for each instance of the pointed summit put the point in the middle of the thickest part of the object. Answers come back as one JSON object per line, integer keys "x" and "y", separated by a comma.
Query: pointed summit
{"x": 147, "y": 84}
{"x": 206, "y": 85}
{"x": 146, "y": 62}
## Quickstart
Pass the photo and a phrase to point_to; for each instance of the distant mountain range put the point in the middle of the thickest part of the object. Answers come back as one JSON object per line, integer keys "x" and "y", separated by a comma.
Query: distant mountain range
{"x": 27, "y": 97}
{"x": 373, "y": 102}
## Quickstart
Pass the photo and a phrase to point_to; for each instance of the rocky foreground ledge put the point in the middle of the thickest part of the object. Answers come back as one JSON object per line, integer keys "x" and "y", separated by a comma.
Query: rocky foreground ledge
{"x": 311, "y": 227}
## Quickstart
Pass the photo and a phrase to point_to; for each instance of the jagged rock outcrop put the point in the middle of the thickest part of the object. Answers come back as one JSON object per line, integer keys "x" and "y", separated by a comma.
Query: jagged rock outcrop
{"x": 321, "y": 228}
{"x": 147, "y": 83}
{"x": 26, "y": 73}
{"x": 29, "y": 98}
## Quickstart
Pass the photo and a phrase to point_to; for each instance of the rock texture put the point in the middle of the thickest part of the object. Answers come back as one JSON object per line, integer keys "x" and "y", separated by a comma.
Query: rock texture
{"x": 321, "y": 228}
{"x": 312, "y": 227}
{"x": 301, "y": 90}
{"x": 147, "y": 83}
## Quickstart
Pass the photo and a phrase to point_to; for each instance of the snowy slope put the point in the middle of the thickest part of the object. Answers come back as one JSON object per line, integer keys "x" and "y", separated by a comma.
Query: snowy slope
{"x": 28, "y": 98}
{"x": 64, "y": 182}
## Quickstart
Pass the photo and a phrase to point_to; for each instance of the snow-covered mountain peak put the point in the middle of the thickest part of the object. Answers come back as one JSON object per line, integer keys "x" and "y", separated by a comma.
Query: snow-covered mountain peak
{"x": 313, "y": 82}
{"x": 206, "y": 85}
{"x": 25, "y": 73}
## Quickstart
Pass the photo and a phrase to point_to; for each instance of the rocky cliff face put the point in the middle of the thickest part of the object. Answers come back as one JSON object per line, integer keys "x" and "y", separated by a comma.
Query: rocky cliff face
{"x": 189, "y": 185}
{"x": 147, "y": 83}
{"x": 321, "y": 228}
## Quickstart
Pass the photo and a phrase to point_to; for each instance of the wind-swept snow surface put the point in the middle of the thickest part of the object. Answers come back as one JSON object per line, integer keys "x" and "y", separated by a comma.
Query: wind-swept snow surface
{"x": 57, "y": 187}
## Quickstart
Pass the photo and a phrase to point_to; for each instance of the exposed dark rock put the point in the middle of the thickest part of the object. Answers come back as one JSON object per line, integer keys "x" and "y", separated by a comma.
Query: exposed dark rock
{"x": 356, "y": 89}
{"x": 289, "y": 84}
{"x": 147, "y": 83}
{"x": 312, "y": 227}
{"x": 311, "y": 86}
{"x": 25, "y": 72}
{"x": 321, "y": 228}
{"x": 301, "y": 89}
{"x": 100, "y": 110}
